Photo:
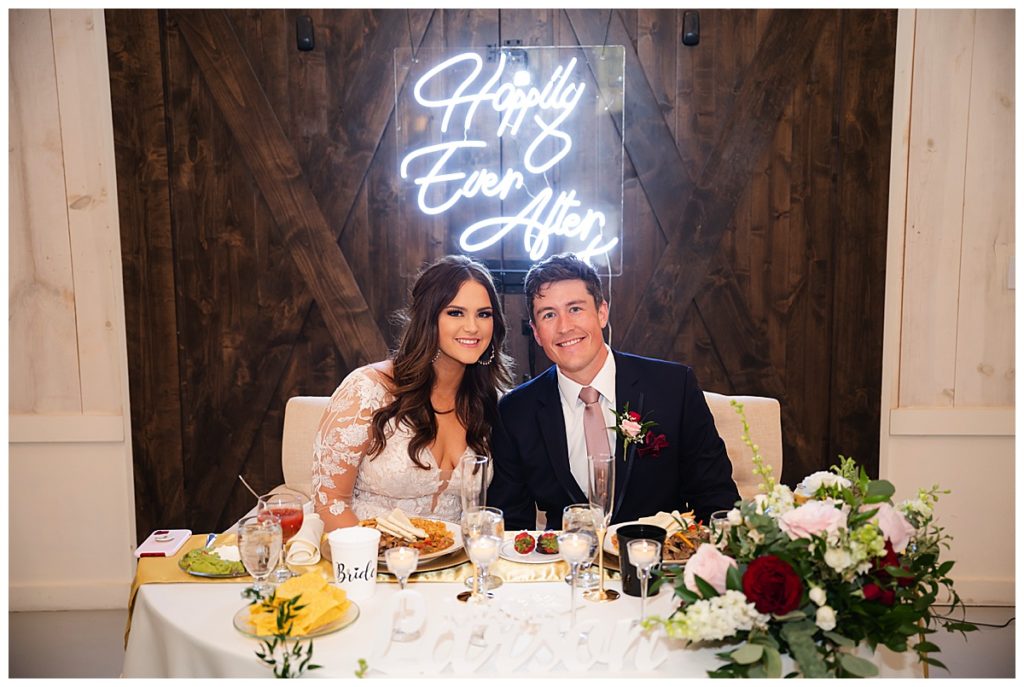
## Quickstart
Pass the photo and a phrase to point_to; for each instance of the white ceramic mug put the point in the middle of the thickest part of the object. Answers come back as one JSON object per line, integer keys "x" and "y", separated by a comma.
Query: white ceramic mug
{"x": 354, "y": 557}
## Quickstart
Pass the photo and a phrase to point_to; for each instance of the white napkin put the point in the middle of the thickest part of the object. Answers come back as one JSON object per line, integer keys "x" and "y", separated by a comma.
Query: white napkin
{"x": 304, "y": 547}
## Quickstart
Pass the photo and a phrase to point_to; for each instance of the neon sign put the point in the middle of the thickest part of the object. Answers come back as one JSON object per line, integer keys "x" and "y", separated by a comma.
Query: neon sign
{"x": 541, "y": 118}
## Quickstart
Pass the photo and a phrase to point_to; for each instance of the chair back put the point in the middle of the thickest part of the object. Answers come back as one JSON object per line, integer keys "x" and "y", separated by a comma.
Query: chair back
{"x": 765, "y": 419}
{"x": 301, "y": 420}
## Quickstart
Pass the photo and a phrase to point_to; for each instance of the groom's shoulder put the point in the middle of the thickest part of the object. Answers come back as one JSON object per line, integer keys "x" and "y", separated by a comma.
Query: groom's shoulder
{"x": 654, "y": 366}
{"x": 528, "y": 391}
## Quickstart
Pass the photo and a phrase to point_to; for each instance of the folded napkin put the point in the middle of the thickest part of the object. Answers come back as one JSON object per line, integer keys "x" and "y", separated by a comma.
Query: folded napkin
{"x": 668, "y": 521}
{"x": 304, "y": 547}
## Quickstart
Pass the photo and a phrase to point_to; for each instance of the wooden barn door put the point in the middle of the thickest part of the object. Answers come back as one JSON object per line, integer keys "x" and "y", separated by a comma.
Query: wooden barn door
{"x": 266, "y": 246}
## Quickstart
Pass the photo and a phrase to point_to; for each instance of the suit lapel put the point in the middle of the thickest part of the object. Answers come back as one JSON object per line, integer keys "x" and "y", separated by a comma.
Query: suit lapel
{"x": 627, "y": 390}
{"x": 552, "y": 427}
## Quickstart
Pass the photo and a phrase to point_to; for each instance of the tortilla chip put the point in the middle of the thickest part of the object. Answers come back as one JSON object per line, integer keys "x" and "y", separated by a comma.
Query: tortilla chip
{"x": 321, "y": 604}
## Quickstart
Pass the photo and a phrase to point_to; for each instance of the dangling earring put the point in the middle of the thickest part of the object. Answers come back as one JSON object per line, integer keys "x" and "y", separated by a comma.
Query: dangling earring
{"x": 436, "y": 356}
{"x": 489, "y": 360}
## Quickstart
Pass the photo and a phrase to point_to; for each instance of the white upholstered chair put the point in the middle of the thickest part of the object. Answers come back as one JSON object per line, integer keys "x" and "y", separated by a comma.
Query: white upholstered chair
{"x": 764, "y": 417}
{"x": 302, "y": 418}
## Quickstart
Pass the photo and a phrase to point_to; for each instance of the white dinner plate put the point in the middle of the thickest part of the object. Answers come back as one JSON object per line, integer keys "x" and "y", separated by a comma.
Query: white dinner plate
{"x": 509, "y": 553}
{"x": 610, "y": 542}
{"x": 454, "y": 530}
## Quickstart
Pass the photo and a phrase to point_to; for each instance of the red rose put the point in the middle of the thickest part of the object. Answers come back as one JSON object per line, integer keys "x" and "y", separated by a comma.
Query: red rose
{"x": 888, "y": 597}
{"x": 653, "y": 444}
{"x": 772, "y": 585}
{"x": 872, "y": 591}
{"x": 634, "y": 416}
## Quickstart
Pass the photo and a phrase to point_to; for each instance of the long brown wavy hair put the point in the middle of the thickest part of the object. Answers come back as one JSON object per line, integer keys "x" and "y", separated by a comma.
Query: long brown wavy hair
{"x": 476, "y": 402}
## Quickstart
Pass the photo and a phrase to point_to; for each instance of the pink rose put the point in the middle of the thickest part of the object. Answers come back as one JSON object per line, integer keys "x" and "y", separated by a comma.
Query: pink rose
{"x": 814, "y": 517}
{"x": 710, "y": 565}
{"x": 630, "y": 428}
{"x": 893, "y": 525}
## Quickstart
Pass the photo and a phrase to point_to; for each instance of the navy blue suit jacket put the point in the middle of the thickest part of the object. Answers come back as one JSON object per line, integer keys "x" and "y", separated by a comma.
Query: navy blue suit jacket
{"x": 531, "y": 455}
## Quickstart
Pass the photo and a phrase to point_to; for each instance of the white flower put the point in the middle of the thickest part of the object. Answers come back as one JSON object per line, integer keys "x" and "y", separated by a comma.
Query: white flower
{"x": 735, "y": 518}
{"x": 817, "y": 595}
{"x": 810, "y": 484}
{"x": 755, "y": 535}
{"x": 838, "y": 559}
{"x": 825, "y": 618}
{"x": 717, "y": 618}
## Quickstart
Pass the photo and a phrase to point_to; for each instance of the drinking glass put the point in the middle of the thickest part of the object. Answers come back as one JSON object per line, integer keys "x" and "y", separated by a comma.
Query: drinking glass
{"x": 474, "y": 470}
{"x": 287, "y": 508}
{"x": 581, "y": 517}
{"x": 643, "y": 553}
{"x": 601, "y": 495}
{"x": 259, "y": 546}
{"x": 719, "y": 524}
{"x": 486, "y": 520}
{"x": 401, "y": 562}
{"x": 576, "y": 548}
{"x": 482, "y": 533}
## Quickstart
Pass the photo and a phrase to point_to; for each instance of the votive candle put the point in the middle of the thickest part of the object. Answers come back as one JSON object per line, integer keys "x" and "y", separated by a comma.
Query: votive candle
{"x": 642, "y": 553}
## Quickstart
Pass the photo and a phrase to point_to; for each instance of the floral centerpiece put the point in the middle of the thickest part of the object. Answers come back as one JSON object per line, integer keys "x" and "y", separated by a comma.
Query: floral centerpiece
{"x": 814, "y": 572}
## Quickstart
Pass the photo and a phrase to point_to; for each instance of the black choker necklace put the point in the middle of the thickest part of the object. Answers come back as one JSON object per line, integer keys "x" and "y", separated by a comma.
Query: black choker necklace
{"x": 441, "y": 412}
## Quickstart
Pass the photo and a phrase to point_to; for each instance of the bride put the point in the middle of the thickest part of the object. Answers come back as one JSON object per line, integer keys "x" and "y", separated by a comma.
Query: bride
{"x": 394, "y": 431}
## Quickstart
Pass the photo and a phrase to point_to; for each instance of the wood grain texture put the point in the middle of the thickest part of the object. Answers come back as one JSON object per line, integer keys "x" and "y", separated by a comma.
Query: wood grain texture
{"x": 148, "y": 266}
{"x": 935, "y": 196}
{"x": 859, "y": 255}
{"x": 985, "y": 363}
{"x": 43, "y": 358}
{"x": 276, "y": 171}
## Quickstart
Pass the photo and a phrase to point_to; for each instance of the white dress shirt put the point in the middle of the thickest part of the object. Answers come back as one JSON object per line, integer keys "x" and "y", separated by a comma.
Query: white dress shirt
{"x": 572, "y": 411}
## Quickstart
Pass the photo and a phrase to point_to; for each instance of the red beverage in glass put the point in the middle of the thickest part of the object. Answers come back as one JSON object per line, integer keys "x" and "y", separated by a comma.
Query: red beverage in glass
{"x": 291, "y": 520}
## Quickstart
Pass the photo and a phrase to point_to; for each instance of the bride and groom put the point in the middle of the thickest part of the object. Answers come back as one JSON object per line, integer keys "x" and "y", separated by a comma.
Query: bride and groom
{"x": 394, "y": 431}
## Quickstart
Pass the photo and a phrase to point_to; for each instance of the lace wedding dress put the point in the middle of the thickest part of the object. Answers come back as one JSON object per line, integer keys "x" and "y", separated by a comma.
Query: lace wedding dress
{"x": 344, "y": 478}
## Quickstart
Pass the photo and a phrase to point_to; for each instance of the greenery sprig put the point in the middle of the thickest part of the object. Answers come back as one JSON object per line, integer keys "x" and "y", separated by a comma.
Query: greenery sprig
{"x": 287, "y": 657}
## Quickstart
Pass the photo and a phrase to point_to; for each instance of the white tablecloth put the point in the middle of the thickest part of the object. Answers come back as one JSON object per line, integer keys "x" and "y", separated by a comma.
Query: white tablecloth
{"x": 185, "y": 630}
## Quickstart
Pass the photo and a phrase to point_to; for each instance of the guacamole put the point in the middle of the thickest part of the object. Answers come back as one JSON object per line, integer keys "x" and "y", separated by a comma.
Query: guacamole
{"x": 208, "y": 562}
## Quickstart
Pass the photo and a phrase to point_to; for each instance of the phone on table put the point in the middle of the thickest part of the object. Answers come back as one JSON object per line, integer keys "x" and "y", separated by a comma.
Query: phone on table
{"x": 163, "y": 543}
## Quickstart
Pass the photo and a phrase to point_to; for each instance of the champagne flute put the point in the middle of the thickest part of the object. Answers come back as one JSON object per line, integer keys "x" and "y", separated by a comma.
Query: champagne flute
{"x": 474, "y": 470}
{"x": 489, "y": 520}
{"x": 401, "y": 562}
{"x": 575, "y": 548}
{"x": 259, "y": 546}
{"x": 643, "y": 553}
{"x": 287, "y": 508}
{"x": 601, "y": 495}
{"x": 581, "y": 517}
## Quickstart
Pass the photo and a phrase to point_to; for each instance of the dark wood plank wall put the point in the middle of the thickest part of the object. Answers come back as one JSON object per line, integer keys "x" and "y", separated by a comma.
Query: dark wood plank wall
{"x": 258, "y": 193}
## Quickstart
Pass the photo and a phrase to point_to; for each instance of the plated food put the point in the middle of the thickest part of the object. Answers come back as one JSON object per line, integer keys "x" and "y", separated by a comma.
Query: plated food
{"x": 530, "y": 547}
{"x": 685, "y": 535}
{"x": 222, "y": 561}
{"x": 432, "y": 537}
{"x": 323, "y": 609}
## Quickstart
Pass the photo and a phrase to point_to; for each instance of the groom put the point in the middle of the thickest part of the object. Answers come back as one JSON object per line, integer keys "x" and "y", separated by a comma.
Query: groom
{"x": 549, "y": 425}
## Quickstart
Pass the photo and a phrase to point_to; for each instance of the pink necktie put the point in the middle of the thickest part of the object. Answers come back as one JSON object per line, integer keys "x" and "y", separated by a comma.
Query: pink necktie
{"x": 594, "y": 429}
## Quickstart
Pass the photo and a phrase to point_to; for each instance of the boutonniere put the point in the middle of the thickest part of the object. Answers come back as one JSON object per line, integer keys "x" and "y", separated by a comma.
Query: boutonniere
{"x": 635, "y": 430}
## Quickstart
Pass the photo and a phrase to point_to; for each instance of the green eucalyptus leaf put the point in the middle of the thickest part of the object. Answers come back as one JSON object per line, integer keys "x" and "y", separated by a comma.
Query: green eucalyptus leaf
{"x": 747, "y": 654}
{"x": 792, "y": 615}
{"x": 772, "y": 663}
{"x": 880, "y": 487}
{"x": 840, "y": 640}
{"x": 734, "y": 579}
{"x": 757, "y": 672}
{"x": 858, "y": 666}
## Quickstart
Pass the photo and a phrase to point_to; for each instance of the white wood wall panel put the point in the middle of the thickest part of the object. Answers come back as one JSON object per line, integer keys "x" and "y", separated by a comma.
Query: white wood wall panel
{"x": 84, "y": 97}
{"x": 935, "y": 195}
{"x": 985, "y": 342}
{"x": 43, "y": 355}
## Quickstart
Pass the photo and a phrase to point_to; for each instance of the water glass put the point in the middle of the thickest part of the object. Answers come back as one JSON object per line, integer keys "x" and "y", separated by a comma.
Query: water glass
{"x": 402, "y": 562}
{"x": 644, "y": 554}
{"x": 719, "y": 524}
{"x": 259, "y": 546}
{"x": 486, "y": 520}
{"x": 581, "y": 517}
{"x": 576, "y": 548}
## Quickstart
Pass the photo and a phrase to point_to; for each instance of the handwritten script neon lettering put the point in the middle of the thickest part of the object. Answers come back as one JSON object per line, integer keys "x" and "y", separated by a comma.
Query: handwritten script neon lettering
{"x": 549, "y": 108}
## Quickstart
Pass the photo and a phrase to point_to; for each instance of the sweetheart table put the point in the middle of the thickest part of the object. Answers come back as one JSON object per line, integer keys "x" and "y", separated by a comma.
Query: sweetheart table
{"x": 184, "y": 629}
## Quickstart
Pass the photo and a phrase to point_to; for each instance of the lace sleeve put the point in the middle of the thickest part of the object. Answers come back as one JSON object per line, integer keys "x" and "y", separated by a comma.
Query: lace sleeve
{"x": 341, "y": 442}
